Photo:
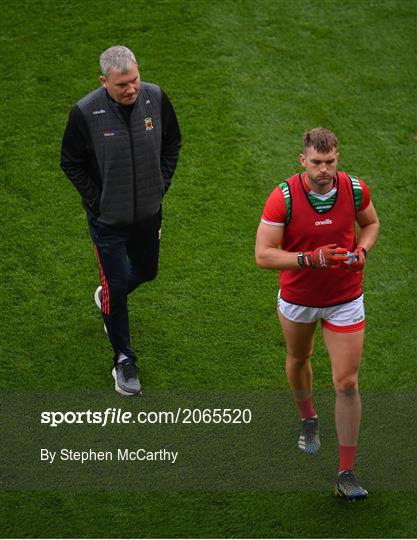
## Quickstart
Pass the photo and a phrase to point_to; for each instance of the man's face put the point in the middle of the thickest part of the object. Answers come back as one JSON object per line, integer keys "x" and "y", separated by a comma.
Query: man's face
{"x": 320, "y": 168}
{"x": 123, "y": 87}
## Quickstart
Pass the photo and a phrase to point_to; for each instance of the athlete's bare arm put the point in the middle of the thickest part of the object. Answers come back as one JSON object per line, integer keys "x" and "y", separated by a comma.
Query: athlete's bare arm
{"x": 368, "y": 227}
{"x": 268, "y": 253}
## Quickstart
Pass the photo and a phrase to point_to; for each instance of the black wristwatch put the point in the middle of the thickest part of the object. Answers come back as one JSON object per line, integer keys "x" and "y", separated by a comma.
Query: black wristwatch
{"x": 301, "y": 260}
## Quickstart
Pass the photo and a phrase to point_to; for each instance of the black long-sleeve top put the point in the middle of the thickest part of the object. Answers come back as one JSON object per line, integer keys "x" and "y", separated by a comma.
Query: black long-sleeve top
{"x": 79, "y": 162}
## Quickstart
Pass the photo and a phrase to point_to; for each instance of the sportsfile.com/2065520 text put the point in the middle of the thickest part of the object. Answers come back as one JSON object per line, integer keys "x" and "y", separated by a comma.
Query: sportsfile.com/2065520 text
{"x": 118, "y": 416}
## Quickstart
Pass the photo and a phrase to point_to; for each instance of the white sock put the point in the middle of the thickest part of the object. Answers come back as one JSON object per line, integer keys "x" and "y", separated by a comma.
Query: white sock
{"x": 121, "y": 358}
{"x": 315, "y": 416}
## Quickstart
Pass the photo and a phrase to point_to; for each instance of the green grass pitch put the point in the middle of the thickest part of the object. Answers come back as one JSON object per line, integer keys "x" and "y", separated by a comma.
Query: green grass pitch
{"x": 247, "y": 78}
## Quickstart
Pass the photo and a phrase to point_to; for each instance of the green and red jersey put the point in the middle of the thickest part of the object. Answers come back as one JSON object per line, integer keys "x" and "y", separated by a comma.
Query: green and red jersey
{"x": 277, "y": 210}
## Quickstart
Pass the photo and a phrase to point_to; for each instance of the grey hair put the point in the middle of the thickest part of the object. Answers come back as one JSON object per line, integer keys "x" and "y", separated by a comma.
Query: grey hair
{"x": 118, "y": 58}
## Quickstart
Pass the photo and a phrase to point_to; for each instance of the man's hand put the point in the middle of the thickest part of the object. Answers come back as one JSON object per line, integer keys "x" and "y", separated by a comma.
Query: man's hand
{"x": 326, "y": 256}
{"x": 358, "y": 266}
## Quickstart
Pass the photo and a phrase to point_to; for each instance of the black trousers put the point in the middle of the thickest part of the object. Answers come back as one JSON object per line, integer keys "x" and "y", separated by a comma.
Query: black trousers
{"x": 127, "y": 256}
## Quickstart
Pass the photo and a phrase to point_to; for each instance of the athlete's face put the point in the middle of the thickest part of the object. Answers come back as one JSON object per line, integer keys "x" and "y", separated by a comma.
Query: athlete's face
{"x": 320, "y": 168}
{"x": 122, "y": 87}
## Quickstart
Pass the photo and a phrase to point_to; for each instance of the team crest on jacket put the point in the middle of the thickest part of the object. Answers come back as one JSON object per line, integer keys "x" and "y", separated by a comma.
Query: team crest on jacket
{"x": 148, "y": 123}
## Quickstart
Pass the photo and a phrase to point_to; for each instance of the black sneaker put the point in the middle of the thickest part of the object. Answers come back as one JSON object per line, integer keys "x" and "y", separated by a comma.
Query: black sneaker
{"x": 348, "y": 488}
{"x": 125, "y": 375}
{"x": 309, "y": 440}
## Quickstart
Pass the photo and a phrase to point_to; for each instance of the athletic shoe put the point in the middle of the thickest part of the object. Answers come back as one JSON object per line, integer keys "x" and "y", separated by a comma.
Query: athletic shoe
{"x": 309, "y": 440}
{"x": 125, "y": 375}
{"x": 97, "y": 300}
{"x": 348, "y": 488}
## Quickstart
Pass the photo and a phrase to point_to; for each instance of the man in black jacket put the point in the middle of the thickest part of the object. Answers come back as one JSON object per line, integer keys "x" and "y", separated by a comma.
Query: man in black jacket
{"x": 120, "y": 150}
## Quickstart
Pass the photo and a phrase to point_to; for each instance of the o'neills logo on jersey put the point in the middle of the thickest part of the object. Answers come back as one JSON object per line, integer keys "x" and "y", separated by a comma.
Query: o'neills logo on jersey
{"x": 324, "y": 222}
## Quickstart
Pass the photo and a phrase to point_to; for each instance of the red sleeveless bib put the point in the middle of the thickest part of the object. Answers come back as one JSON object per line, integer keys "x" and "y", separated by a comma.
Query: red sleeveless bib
{"x": 308, "y": 229}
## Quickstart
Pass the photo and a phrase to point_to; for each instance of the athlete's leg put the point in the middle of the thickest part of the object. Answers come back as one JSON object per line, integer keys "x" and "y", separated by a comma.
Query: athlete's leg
{"x": 345, "y": 351}
{"x": 110, "y": 246}
{"x": 143, "y": 250}
{"x": 299, "y": 338}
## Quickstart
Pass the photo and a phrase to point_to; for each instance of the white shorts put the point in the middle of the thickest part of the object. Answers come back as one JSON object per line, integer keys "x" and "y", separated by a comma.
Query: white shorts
{"x": 348, "y": 317}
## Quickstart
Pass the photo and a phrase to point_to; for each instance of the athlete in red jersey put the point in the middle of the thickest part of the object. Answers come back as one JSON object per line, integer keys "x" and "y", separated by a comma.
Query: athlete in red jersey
{"x": 310, "y": 225}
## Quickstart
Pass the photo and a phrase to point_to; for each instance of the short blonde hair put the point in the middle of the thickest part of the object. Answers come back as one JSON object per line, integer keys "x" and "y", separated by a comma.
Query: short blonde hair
{"x": 321, "y": 139}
